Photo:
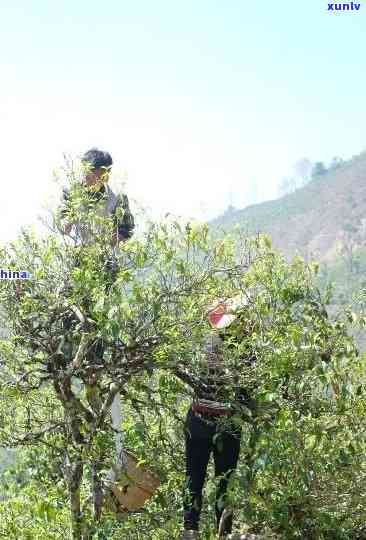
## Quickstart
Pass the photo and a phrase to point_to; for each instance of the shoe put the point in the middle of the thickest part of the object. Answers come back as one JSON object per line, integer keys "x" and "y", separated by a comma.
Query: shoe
{"x": 189, "y": 535}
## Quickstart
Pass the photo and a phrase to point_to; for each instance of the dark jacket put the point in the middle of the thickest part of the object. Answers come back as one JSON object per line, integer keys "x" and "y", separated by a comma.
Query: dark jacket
{"x": 216, "y": 379}
{"x": 107, "y": 203}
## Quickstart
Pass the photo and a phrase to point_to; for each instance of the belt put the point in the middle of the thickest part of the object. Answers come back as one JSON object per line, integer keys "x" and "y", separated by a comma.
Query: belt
{"x": 211, "y": 411}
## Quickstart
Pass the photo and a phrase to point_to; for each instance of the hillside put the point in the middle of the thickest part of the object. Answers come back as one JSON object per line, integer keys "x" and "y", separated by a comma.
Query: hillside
{"x": 313, "y": 220}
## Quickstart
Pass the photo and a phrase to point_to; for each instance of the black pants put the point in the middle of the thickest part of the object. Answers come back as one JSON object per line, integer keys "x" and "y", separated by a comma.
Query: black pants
{"x": 200, "y": 439}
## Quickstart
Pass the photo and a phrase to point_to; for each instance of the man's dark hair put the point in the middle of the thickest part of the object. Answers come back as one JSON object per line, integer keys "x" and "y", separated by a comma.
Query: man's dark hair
{"x": 95, "y": 158}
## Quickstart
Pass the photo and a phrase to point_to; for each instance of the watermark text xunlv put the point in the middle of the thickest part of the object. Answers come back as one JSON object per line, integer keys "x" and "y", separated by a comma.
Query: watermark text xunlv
{"x": 350, "y": 6}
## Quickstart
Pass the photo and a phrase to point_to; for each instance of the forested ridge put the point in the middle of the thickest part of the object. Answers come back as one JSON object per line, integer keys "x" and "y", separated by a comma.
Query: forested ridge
{"x": 313, "y": 220}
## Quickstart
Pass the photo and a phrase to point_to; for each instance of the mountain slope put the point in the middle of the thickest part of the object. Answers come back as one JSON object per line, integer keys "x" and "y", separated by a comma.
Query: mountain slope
{"x": 313, "y": 219}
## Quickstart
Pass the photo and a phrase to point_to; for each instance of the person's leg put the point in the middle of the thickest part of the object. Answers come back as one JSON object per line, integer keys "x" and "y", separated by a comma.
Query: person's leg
{"x": 198, "y": 439}
{"x": 226, "y": 454}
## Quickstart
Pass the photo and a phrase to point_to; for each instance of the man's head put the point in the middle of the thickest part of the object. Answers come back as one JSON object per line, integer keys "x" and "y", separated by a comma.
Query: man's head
{"x": 97, "y": 167}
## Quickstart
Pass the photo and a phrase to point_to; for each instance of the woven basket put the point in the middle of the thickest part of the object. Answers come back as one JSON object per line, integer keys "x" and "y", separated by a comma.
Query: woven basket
{"x": 136, "y": 485}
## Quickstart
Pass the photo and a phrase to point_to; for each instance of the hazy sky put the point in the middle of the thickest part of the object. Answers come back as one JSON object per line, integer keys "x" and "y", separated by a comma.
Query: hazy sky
{"x": 194, "y": 98}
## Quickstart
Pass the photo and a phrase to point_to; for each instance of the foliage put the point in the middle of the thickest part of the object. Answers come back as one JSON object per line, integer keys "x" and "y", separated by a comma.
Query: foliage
{"x": 319, "y": 169}
{"x": 302, "y": 469}
{"x": 90, "y": 319}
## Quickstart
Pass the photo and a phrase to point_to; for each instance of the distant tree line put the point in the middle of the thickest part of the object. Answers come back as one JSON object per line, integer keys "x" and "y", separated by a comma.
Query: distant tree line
{"x": 304, "y": 171}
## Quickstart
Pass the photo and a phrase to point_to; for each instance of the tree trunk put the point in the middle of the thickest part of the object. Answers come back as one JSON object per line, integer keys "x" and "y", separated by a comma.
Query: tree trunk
{"x": 97, "y": 489}
{"x": 95, "y": 402}
{"x": 74, "y": 473}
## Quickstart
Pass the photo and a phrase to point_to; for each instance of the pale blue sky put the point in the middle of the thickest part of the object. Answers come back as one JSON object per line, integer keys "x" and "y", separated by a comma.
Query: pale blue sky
{"x": 195, "y": 99}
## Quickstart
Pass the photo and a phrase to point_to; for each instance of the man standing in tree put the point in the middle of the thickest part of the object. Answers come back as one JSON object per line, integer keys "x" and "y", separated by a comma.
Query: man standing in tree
{"x": 97, "y": 201}
{"x": 104, "y": 202}
{"x": 98, "y": 164}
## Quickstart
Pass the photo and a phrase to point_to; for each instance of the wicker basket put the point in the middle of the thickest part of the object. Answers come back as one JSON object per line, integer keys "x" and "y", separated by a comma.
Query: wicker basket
{"x": 136, "y": 485}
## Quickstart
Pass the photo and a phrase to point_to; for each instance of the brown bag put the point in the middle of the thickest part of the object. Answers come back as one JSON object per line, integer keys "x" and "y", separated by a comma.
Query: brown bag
{"x": 135, "y": 486}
